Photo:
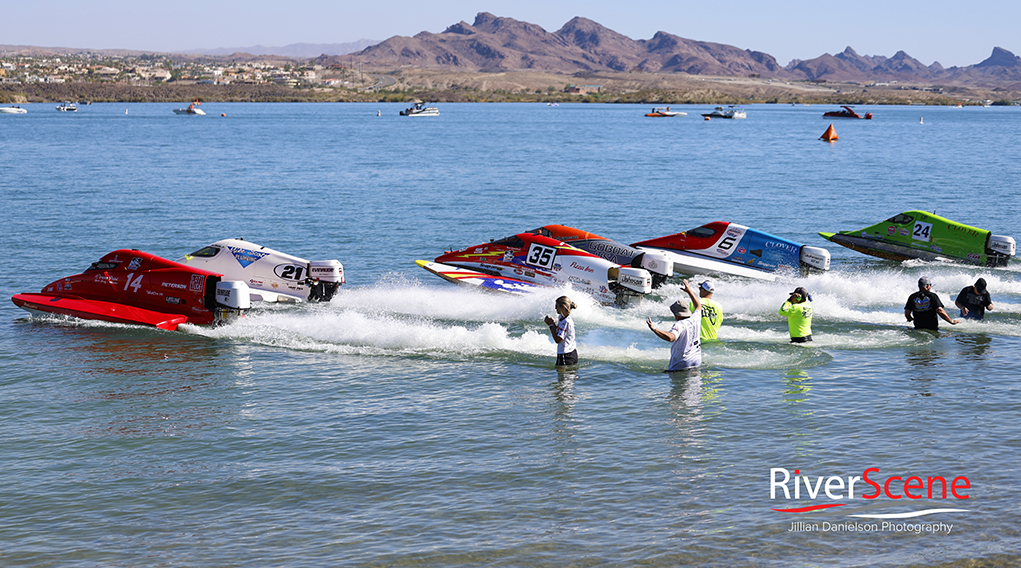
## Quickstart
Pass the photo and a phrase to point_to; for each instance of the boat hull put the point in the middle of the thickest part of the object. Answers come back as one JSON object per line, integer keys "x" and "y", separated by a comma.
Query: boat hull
{"x": 465, "y": 277}
{"x": 96, "y": 310}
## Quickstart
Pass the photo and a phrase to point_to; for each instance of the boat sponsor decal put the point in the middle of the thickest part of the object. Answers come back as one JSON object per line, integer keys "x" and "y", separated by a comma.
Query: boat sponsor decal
{"x": 789, "y": 247}
{"x": 741, "y": 250}
{"x": 197, "y": 280}
{"x": 603, "y": 290}
{"x": 508, "y": 256}
{"x": 868, "y": 496}
{"x": 257, "y": 283}
{"x": 275, "y": 285}
{"x": 922, "y": 232}
{"x": 541, "y": 256}
{"x": 891, "y": 230}
{"x": 246, "y": 256}
{"x": 173, "y": 300}
{"x": 173, "y": 285}
{"x": 105, "y": 279}
{"x": 581, "y": 267}
{"x": 632, "y": 280}
{"x": 961, "y": 229}
{"x": 290, "y": 271}
{"x": 974, "y": 257}
{"x": 577, "y": 280}
{"x": 135, "y": 263}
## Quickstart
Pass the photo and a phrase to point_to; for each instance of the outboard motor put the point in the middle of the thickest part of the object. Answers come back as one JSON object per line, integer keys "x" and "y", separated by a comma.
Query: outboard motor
{"x": 325, "y": 276}
{"x": 814, "y": 258}
{"x": 233, "y": 298}
{"x": 629, "y": 283}
{"x": 1000, "y": 249}
{"x": 658, "y": 264}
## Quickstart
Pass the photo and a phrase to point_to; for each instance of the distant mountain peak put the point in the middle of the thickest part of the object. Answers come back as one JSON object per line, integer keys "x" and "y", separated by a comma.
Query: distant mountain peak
{"x": 1001, "y": 58}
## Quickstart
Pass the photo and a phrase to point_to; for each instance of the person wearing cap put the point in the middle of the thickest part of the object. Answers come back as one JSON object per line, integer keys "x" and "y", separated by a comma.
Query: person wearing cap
{"x": 563, "y": 332}
{"x": 924, "y": 307}
{"x": 685, "y": 348}
{"x": 712, "y": 312}
{"x": 975, "y": 300}
{"x": 798, "y": 311}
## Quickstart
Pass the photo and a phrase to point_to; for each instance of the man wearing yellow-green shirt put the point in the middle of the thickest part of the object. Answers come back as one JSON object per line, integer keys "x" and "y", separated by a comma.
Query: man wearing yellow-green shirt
{"x": 798, "y": 310}
{"x": 712, "y": 312}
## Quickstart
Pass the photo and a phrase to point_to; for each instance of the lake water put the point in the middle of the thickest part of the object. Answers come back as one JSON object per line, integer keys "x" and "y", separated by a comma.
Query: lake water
{"x": 410, "y": 422}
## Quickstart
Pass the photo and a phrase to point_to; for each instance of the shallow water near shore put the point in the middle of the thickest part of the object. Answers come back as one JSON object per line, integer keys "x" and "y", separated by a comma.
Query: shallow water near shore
{"x": 413, "y": 422}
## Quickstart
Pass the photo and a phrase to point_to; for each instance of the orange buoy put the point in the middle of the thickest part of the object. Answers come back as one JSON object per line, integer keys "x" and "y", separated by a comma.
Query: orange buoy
{"x": 707, "y": 118}
{"x": 223, "y": 114}
{"x": 830, "y": 135}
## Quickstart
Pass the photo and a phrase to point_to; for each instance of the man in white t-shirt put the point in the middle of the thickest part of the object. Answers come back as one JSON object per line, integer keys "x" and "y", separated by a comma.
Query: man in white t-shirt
{"x": 685, "y": 348}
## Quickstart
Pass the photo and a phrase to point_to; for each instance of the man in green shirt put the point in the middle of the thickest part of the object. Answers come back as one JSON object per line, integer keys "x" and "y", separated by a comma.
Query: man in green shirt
{"x": 798, "y": 310}
{"x": 712, "y": 312}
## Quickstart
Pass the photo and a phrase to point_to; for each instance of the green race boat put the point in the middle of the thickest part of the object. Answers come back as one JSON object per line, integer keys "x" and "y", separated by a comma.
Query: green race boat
{"x": 926, "y": 236}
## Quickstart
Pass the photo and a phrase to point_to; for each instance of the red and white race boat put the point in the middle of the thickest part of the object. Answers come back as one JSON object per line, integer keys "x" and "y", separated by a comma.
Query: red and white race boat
{"x": 728, "y": 248}
{"x": 523, "y": 262}
{"x": 135, "y": 287}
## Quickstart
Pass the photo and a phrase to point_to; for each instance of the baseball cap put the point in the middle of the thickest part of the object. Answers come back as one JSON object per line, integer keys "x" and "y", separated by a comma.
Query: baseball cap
{"x": 680, "y": 309}
{"x": 924, "y": 281}
{"x": 980, "y": 284}
{"x": 707, "y": 286}
{"x": 804, "y": 293}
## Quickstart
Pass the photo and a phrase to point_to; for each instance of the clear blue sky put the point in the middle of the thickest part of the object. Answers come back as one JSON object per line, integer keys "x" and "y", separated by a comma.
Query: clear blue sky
{"x": 953, "y": 33}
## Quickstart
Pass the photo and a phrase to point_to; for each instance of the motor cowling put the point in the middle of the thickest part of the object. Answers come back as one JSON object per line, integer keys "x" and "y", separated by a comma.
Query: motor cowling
{"x": 1003, "y": 245}
{"x": 233, "y": 298}
{"x": 325, "y": 276}
{"x": 815, "y": 258}
{"x": 655, "y": 262}
{"x": 233, "y": 295}
{"x": 636, "y": 279}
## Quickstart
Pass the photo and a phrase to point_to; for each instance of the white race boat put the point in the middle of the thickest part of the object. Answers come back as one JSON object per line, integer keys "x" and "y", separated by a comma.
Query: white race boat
{"x": 271, "y": 276}
{"x": 67, "y": 106}
{"x": 419, "y": 109}
{"x": 12, "y": 110}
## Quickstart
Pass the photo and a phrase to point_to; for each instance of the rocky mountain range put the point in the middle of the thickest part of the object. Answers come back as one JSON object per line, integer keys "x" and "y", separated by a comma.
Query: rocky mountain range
{"x": 493, "y": 43}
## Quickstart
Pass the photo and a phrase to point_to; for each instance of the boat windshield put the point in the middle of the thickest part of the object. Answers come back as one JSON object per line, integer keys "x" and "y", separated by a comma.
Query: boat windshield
{"x": 512, "y": 241}
{"x": 701, "y": 232}
{"x": 206, "y": 252}
{"x": 900, "y": 219}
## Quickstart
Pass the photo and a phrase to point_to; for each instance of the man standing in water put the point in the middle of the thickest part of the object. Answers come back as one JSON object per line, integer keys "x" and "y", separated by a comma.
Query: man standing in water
{"x": 685, "y": 348}
{"x": 975, "y": 300}
{"x": 798, "y": 310}
{"x": 712, "y": 312}
{"x": 924, "y": 307}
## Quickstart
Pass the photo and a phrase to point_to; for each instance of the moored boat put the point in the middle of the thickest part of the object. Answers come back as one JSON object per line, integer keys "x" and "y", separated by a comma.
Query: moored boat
{"x": 12, "y": 110}
{"x": 419, "y": 109}
{"x": 730, "y": 112}
{"x": 847, "y": 112}
{"x": 67, "y": 106}
{"x": 665, "y": 112}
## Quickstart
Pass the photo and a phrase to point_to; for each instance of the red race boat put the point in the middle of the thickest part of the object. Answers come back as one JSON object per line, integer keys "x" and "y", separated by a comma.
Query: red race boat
{"x": 134, "y": 287}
